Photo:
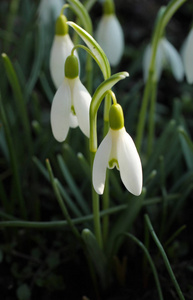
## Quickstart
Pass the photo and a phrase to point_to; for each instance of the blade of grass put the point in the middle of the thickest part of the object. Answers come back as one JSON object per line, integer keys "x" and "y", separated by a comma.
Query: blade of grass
{"x": 68, "y": 200}
{"x": 14, "y": 163}
{"x": 63, "y": 207}
{"x": 39, "y": 53}
{"x": 20, "y": 102}
{"x": 70, "y": 181}
{"x": 165, "y": 258}
{"x": 148, "y": 256}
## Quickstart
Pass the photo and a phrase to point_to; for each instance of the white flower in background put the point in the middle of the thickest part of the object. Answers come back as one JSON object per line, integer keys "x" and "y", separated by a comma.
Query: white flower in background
{"x": 109, "y": 34}
{"x": 71, "y": 103}
{"x": 167, "y": 56}
{"x": 61, "y": 49}
{"x": 48, "y": 10}
{"x": 118, "y": 149}
{"x": 187, "y": 56}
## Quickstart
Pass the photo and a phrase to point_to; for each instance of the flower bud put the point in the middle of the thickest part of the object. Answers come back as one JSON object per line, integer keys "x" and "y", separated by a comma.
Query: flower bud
{"x": 108, "y": 7}
{"x": 61, "y": 25}
{"x": 71, "y": 67}
{"x": 116, "y": 118}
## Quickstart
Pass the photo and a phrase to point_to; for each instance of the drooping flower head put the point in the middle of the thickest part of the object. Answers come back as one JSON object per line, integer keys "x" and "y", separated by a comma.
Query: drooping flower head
{"x": 118, "y": 150}
{"x": 109, "y": 34}
{"x": 166, "y": 56}
{"x": 71, "y": 103}
{"x": 61, "y": 49}
{"x": 187, "y": 56}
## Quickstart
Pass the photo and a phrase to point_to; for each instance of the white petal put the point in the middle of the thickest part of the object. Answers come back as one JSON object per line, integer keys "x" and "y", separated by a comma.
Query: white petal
{"x": 60, "y": 112}
{"x": 73, "y": 121}
{"x": 188, "y": 57}
{"x": 61, "y": 49}
{"x": 81, "y": 100}
{"x": 129, "y": 163}
{"x": 100, "y": 164}
{"x": 146, "y": 62}
{"x": 174, "y": 59}
{"x": 110, "y": 37}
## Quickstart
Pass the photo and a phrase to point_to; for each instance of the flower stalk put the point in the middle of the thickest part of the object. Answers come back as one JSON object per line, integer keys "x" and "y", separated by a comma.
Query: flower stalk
{"x": 164, "y": 16}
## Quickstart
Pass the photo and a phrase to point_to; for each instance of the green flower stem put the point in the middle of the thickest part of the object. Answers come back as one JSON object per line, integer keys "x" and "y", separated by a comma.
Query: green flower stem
{"x": 151, "y": 133}
{"x": 164, "y": 16}
{"x": 146, "y": 252}
{"x": 98, "y": 96}
{"x": 96, "y": 211}
{"x": 164, "y": 256}
{"x": 142, "y": 113}
{"x": 105, "y": 207}
{"x": 54, "y": 183}
{"x": 80, "y": 10}
{"x": 13, "y": 159}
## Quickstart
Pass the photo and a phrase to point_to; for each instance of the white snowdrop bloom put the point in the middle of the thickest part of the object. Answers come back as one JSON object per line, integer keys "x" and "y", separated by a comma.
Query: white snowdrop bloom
{"x": 71, "y": 103}
{"x": 118, "y": 149}
{"x": 48, "y": 10}
{"x": 109, "y": 34}
{"x": 187, "y": 56}
{"x": 60, "y": 50}
{"x": 166, "y": 56}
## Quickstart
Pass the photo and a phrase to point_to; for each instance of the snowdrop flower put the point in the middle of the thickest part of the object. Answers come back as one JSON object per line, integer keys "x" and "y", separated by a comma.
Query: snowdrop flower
{"x": 48, "y": 10}
{"x": 166, "y": 55}
{"x": 61, "y": 49}
{"x": 187, "y": 56}
{"x": 118, "y": 149}
{"x": 71, "y": 103}
{"x": 109, "y": 34}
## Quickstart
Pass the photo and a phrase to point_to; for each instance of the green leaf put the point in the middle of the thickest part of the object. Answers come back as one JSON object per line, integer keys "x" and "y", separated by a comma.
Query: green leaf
{"x": 95, "y": 253}
{"x": 96, "y": 50}
{"x": 82, "y": 13}
{"x": 23, "y": 292}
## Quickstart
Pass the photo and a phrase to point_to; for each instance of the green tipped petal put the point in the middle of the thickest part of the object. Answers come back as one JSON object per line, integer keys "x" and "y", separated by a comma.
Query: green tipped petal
{"x": 116, "y": 118}
{"x": 61, "y": 25}
{"x": 71, "y": 67}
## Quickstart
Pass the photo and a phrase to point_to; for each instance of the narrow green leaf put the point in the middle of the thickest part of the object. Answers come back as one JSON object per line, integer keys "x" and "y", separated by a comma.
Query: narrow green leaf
{"x": 124, "y": 222}
{"x": 13, "y": 159}
{"x": 82, "y": 13}
{"x": 95, "y": 48}
{"x": 38, "y": 60}
{"x": 96, "y": 254}
{"x": 20, "y": 101}
{"x": 165, "y": 258}
{"x": 63, "y": 192}
{"x": 187, "y": 147}
{"x": 73, "y": 187}
{"x": 146, "y": 252}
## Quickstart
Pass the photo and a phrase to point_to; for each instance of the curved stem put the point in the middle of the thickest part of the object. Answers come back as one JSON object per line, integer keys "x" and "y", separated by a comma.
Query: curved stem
{"x": 151, "y": 132}
{"x": 96, "y": 212}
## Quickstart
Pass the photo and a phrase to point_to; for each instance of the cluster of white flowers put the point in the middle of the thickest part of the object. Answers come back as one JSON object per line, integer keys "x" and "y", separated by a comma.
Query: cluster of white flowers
{"x": 71, "y": 103}
{"x": 168, "y": 56}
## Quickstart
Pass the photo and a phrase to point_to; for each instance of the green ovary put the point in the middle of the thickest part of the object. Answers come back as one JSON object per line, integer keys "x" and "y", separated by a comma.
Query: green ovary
{"x": 113, "y": 163}
{"x": 73, "y": 110}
